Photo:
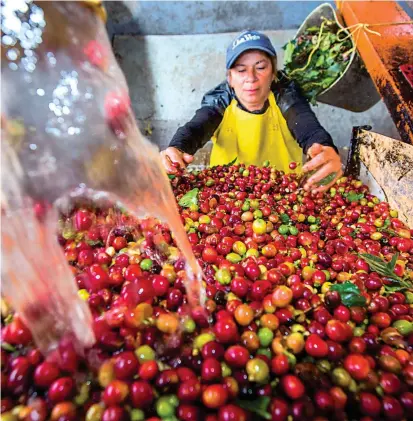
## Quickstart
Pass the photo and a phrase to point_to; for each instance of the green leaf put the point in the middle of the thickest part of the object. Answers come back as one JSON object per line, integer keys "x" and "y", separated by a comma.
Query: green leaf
{"x": 233, "y": 161}
{"x": 334, "y": 70}
{"x": 382, "y": 267}
{"x": 320, "y": 61}
{"x": 386, "y": 224}
{"x": 289, "y": 49}
{"x": 400, "y": 285}
{"x": 371, "y": 257}
{"x": 336, "y": 48}
{"x": 258, "y": 406}
{"x": 389, "y": 231}
{"x": 353, "y": 300}
{"x": 190, "y": 198}
{"x": 333, "y": 38}
{"x": 328, "y": 81}
{"x": 285, "y": 218}
{"x": 7, "y": 347}
{"x": 8, "y": 319}
{"x": 325, "y": 44}
{"x": 350, "y": 294}
{"x": 312, "y": 29}
{"x": 389, "y": 289}
{"x": 327, "y": 180}
{"x": 392, "y": 263}
{"x": 313, "y": 74}
{"x": 354, "y": 197}
{"x": 93, "y": 243}
{"x": 346, "y": 288}
{"x": 171, "y": 176}
{"x": 330, "y": 60}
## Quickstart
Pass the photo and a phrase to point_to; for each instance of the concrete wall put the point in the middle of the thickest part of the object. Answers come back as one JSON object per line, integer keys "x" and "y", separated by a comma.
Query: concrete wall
{"x": 169, "y": 73}
{"x": 206, "y": 17}
{"x": 209, "y": 17}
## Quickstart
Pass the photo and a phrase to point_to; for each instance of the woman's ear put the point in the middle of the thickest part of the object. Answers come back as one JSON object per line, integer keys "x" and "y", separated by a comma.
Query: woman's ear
{"x": 229, "y": 78}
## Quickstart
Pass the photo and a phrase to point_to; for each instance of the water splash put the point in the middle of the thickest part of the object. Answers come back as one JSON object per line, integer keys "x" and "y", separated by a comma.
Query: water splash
{"x": 69, "y": 124}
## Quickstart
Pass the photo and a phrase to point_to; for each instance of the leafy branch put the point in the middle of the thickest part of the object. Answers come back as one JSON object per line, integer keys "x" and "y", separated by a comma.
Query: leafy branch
{"x": 386, "y": 269}
{"x": 382, "y": 267}
{"x": 317, "y": 58}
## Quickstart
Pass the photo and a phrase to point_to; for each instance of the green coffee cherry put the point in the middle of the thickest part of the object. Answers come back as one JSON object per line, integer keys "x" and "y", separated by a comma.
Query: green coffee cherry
{"x": 145, "y": 353}
{"x": 223, "y": 276}
{"x": 164, "y": 408}
{"x": 265, "y": 336}
{"x": 137, "y": 415}
{"x": 404, "y": 327}
{"x": 146, "y": 264}
{"x": 283, "y": 229}
{"x": 293, "y": 230}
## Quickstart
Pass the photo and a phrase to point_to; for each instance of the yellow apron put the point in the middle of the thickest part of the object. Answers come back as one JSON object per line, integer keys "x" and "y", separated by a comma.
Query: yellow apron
{"x": 255, "y": 138}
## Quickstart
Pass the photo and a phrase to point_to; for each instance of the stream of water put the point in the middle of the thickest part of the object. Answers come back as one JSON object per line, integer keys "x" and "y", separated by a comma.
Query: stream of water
{"x": 71, "y": 134}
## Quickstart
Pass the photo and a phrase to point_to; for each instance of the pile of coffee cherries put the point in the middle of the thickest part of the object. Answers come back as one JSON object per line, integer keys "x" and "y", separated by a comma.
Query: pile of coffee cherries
{"x": 308, "y": 313}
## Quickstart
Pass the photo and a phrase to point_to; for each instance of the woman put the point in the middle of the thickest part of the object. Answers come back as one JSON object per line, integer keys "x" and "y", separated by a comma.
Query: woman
{"x": 256, "y": 115}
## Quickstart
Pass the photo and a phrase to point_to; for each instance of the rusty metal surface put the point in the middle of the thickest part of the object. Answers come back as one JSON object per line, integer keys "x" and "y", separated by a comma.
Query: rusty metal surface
{"x": 383, "y": 52}
{"x": 407, "y": 70}
{"x": 390, "y": 164}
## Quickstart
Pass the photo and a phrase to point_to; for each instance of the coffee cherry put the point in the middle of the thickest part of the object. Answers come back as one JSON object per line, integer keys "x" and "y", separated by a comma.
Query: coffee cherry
{"x": 45, "y": 374}
{"x": 214, "y": 396}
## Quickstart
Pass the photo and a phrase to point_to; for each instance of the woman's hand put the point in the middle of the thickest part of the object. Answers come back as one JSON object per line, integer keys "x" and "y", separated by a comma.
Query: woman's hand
{"x": 173, "y": 158}
{"x": 325, "y": 160}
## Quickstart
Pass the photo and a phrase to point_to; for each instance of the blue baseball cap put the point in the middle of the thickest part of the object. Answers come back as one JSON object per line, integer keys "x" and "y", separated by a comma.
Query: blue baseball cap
{"x": 248, "y": 40}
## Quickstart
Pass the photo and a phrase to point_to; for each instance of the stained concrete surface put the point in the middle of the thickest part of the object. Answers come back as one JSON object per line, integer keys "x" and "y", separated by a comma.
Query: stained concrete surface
{"x": 209, "y": 17}
{"x": 168, "y": 75}
{"x": 205, "y": 17}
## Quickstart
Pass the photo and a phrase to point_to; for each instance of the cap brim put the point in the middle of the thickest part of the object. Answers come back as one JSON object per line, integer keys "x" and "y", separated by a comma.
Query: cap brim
{"x": 247, "y": 48}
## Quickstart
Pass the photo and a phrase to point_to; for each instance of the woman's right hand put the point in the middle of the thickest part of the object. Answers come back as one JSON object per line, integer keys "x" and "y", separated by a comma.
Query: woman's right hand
{"x": 173, "y": 158}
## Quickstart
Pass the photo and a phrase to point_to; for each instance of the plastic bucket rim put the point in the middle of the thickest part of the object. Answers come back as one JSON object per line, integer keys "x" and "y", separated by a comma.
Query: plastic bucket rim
{"x": 353, "y": 54}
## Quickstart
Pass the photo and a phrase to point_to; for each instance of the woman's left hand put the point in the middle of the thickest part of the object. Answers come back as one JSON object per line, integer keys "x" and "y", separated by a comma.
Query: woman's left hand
{"x": 325, "y": 160}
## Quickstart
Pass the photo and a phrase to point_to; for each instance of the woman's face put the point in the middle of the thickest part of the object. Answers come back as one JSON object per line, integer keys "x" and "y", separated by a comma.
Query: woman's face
{"x": 251, "y": 78}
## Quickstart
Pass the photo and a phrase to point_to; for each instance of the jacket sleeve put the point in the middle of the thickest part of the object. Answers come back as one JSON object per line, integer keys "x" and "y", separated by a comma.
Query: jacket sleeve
{"x": 300, "y": 118}
{"x": 198, "y": 131}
